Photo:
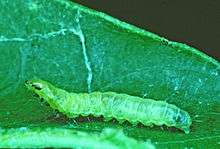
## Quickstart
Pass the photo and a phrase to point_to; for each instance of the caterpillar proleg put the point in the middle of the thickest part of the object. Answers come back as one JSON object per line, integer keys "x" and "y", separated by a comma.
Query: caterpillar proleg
{"x": 112, "y": 105}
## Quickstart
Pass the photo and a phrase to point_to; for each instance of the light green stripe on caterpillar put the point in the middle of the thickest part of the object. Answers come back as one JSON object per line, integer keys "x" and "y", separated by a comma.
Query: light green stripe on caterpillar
{"x": 66, "y": 138}
{"x": 112, "y": 105}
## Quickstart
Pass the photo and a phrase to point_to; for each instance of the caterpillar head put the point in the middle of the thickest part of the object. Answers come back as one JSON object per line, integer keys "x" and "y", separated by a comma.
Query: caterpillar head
{"x": 42, "y": 88}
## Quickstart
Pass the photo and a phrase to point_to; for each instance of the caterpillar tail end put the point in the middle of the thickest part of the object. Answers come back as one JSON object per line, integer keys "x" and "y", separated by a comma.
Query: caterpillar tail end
{"x": 183, "y": 121}
{"x": 186, "y": 130}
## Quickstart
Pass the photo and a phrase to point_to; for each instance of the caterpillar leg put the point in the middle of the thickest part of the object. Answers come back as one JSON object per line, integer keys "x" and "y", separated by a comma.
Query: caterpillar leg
{"x": 107, "y": 119}
{"x": 121, "y": 121}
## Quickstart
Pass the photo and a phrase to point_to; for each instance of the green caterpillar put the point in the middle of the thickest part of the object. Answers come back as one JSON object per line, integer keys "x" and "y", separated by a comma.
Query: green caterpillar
{"x": 112, "y": 105}
{"x": 66, "y": 138}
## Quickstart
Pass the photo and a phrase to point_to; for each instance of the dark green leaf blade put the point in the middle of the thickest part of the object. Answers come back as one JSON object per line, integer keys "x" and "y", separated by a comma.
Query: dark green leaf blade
{"x": 42, "y": 39}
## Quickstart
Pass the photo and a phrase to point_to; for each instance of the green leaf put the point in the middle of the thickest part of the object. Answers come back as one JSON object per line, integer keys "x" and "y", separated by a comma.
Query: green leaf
{"x": 82, "y": 50}
{"x": 65, "y": 138}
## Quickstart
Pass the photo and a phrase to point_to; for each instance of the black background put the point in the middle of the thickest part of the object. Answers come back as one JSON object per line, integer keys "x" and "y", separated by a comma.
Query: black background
{"x": 196, "y": 23}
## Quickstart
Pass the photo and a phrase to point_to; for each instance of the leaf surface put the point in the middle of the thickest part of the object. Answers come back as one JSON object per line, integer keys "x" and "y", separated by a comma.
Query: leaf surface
{"x": 82, "y": 50}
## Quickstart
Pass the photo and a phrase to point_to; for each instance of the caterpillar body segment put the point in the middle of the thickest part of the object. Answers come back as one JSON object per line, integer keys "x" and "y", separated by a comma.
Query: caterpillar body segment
{"x": 112, "y": 105}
